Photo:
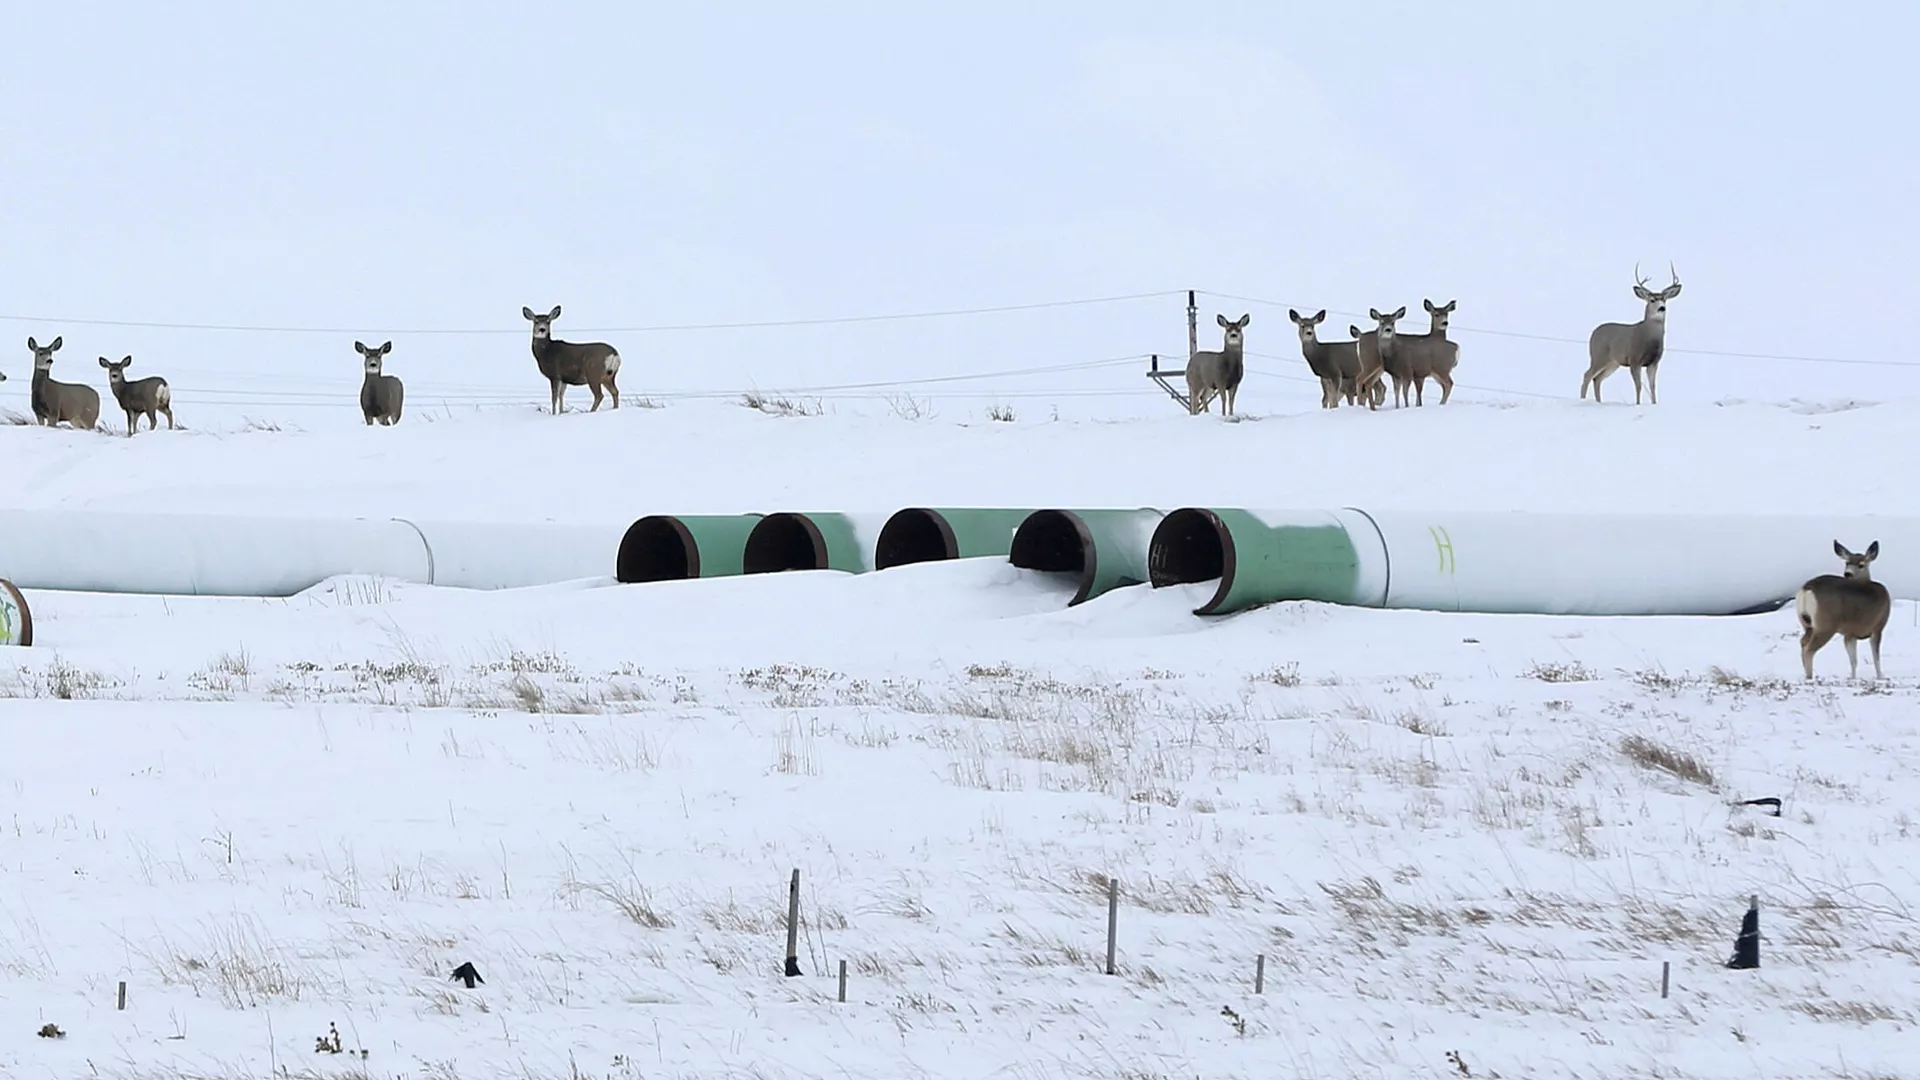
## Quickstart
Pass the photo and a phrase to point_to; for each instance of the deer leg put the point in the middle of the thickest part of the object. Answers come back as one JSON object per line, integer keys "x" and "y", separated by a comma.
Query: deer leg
{"x": 1875, "y": 641}
{"x": 1653, "y": 388}
{"x": 169, "y": 411}
{"x": 613, "y": 389}
{"x": 1420, "y": 390}
{"x": 1812, "y": 641}
{"x": 559, "y": 395}
{"x": 1635, "y": 372}
{"x": 1446, "y": 387}
{"x": 1853, "y": 655}
{"x": 595, "y": 387}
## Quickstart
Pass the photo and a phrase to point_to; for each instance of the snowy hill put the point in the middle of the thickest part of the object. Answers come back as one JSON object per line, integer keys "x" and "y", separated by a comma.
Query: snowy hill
{"x": 1464, "y": 845}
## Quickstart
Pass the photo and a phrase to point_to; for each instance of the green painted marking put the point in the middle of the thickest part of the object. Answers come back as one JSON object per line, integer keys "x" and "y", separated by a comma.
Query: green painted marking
{"x": 1443, "y": 544}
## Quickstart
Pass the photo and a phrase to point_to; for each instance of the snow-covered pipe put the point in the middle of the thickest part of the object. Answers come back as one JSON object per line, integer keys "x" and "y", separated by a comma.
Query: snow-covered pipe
{"x": 1520, "y": 562}
{"x": 222, "y": 555}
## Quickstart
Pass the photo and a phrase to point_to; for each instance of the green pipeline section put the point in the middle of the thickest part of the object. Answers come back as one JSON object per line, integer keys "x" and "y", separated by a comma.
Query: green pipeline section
{"x": 1256, "y": 559}
{"x": 1104, "y": 549}
{"x": 920, "y": 534}
{"x": 790, "y": 541}
{"x": 668, "y": 547}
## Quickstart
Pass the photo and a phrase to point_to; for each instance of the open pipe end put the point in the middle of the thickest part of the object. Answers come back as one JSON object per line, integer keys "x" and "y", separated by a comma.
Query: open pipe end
{"x": 1189, "y": 546}
{"x": 914, "y": 535}
{"x": 657, "y": 548}
{"x": 16, "y": 619}
{"x": 784, "y": 542}
{"x": 1056, "y": 541}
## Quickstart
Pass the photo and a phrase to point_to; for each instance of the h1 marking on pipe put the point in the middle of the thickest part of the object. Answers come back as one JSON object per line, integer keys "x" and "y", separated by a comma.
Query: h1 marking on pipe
{"x": 1442, "y": 543}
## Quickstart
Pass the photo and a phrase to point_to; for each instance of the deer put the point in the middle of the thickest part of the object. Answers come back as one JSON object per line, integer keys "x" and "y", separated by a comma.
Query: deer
{"x": 1337, "y": 363}
{"x": 1635, "y": 346}
{"x": 147, "y": 396}
{"x": 381, "y": 396}
{"x": 566, "y": 363}
{"x": 1378, "y": 356}
{"x": 76, "y": 403}
{"x": 1418, "y": 357}
{"x": 1850, "y": 604}
{"x": 1218, "y": 373}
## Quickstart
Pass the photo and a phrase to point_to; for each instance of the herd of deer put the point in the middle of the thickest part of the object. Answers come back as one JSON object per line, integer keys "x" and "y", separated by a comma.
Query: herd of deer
{"x": 1357, "y": 370}
{"x": 564, "y": 363}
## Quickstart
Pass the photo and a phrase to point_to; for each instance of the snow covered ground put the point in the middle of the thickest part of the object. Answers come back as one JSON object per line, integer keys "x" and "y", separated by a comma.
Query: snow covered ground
{"x": 1465, "y": 845}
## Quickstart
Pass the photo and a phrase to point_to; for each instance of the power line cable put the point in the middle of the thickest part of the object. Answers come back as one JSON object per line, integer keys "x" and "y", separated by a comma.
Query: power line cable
{"x": 659, "y": 328}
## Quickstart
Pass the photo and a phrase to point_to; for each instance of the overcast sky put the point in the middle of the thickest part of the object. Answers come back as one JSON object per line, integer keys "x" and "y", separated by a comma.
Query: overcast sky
{"x": 396, "y": 167}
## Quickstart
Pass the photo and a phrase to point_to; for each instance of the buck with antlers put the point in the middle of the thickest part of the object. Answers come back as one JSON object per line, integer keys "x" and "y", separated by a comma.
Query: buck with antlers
{"x": 1634, "y": 346}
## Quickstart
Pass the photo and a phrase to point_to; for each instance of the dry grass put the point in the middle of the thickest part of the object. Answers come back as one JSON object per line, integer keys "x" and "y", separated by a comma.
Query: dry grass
{"x": 1648, "y": 754}
{"x": 781, "y": 405}
{"x": 1560, "y": 672}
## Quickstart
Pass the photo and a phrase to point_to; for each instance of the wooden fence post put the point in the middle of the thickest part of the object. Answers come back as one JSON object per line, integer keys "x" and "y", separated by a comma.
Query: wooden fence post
{"x": 1260, "y": 974}
{"x": 1113, "y": 918}
{"x": 843, "y": 981}
{"x": 793, "y": 925}
{"x": 1666, "y": 973}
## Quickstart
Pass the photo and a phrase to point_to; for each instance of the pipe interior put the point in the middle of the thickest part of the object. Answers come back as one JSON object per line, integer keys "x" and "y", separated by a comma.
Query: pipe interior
{"x": 1186, "y": 548}
{"x": 1049, "y": 540}
{"x": 782, "y": 542}
{"x": 910, "y": 536}
{"x": 654, "y": 549}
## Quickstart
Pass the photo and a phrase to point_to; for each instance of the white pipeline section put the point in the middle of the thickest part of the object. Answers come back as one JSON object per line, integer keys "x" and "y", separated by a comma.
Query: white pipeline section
{"x": 103, "y": 551}
{"x": 1615, "y": 564}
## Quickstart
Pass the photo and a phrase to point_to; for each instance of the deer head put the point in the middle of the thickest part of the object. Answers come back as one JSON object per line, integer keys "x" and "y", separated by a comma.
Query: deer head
{"x": 374, "y": 356}
{"x": 1236, "y": 330}
{"x": 116, "y": 373}
{"x": 1307, "y": 325}
{"x": 1856, "y": 564}
{"x": 1440, "y": 314}
{"x": 542, "y": 324}
{"x": 43, "y": 354}
{"x": 1656, "y": 301}
{"x": 1386, "y": 322}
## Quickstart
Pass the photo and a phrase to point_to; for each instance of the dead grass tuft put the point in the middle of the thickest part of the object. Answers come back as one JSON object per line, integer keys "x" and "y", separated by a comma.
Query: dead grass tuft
{"x": 1648, "y": 754}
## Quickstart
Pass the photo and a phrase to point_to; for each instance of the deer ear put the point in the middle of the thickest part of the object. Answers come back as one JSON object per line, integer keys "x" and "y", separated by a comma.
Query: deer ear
{"x": 1451, "y": 304}
{"x": 1222, "y": 320}
{"x": 127, "y": 361}
{"x": 555, "y": 313}
{"x": 360, "y": 348}
{"x": 1402, "y": 313}
{"x": 1428, "y": 304}
{"x": 1245, "y": 318}
{"x": 1294, "y": 315}
{"x": 1322, "y": 317}
{"x": 527, "y": 312}
{"x": 386, "y": 347}
{"x": 1839, "y": 549}
{"x": 106, "y": 363}
{"x": 1672, "y": 290}
{"x": 56, "y": 343}
{"x": 1873, "y": 551}
{"x": 31, "y": 344}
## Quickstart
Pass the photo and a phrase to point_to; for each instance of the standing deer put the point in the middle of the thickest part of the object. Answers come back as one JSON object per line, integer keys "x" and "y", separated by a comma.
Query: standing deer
{"x": 1337, "y": 363}
{"x": 1370, "y": 385}
{"x": 381, "y": 396}
{"x": 1634, "y": 346}
{"x": 565, "y": 363}
{"x": 1379, "y": 356}
{"x": 146, "y": 396}
{"x": 1424, "y": 356}
{"x": 1218, "y": 374}
{"x": 1853, "y": 606}
{"x": 76, "y": 403}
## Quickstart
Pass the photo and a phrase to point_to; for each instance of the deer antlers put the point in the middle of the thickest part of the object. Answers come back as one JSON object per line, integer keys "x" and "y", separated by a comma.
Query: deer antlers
{"x": 1673, "y": 285}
